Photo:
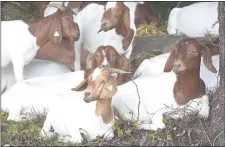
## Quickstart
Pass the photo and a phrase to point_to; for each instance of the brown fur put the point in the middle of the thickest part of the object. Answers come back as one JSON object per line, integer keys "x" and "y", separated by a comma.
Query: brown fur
{"x": 56, "y": 48}
{"x": 185, "y": 61}
{"x": 114, "y": 61}
{"x": 144, "y": 15}
{"x": 214, "y": 47}
{"x": 100, "y": 93}
{"x": 61, "y": 54}
{"x": 118, "y": 18}
{"x": 62, "y": 22}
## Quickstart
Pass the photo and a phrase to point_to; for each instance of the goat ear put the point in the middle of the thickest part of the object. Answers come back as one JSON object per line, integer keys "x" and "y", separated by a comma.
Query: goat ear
{"x": 126, "y": 17}
{"x": 109, "y": 90}
{"x": 207, "y": 59}
{"x": 55, "y": 32}
{"x": 169, "y": 63}
{"x": 81, "y": 86}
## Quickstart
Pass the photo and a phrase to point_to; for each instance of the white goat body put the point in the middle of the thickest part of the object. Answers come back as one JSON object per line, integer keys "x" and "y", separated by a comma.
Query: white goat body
{"x": 156, "y": 98}
{"x": 73, "y": 115}
{"x": 18, "y": 46}
{"x": 50, "y": 10}
{"x": 156, "y": 65}
{"x": 36, "y": 94}
{"x": 195, "y": 20}
{"x": 89, "y": 21}
{"x": 36, "y": 68}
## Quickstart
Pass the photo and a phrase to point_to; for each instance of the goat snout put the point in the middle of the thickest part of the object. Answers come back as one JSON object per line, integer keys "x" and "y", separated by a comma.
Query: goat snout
{"x": 176, "y": 68}
{"x": 77, "y": 36}
{"x": 86, "y": 97}
{"x": 105, "y": 26}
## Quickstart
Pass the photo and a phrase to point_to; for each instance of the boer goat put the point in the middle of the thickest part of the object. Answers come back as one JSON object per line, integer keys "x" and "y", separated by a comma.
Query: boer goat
{"x": 34, "y": 95}
{"x": 97, "y": 115}
{"x": 116, "y": 24}
{"x": 36, "y": 68}
{"x": 156, "y": 64}
{"x": 107, "y": 56}
{"x": 34, "y": 35}
{"x": 195, "y": 20}
{"x": 63, "y": 53}
{"x": 164, "y": 93}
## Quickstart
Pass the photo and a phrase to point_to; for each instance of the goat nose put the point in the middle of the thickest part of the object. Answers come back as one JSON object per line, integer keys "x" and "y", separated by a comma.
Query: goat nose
{"x": 104, "y": 65}
{"x": 86, "y": 94}
{"x": 78, "y": 34}
{"x": 103, "y": 23}
{"x": 176, "y": 67}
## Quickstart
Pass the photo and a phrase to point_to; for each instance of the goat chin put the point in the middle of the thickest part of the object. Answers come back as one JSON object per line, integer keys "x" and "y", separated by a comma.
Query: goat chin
{"x": 35, "y": 94}
{"x": 32, "y": 70}
{"x": 156, "y": 65}
{"x": 201, "y": 16}
{"x": 75, "y": 114}
{"x": 156, "y": 98}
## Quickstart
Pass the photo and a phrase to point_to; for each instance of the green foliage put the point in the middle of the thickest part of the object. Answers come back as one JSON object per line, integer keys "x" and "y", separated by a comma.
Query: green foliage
{"x": 169, "y": 138}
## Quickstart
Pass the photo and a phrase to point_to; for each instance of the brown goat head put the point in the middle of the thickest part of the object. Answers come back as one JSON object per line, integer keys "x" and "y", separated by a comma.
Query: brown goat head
{"x": 55, "y": 27}
{"x": 107, "y": 56}
{"x": 101, "y": 84}
{"x": 187, "y": 56}
{"x": 117, "y": 15}
{"x": 144, "y": 15}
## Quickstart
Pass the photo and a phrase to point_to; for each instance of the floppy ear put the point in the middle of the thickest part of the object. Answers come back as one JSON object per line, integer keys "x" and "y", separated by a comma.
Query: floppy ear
{"x": 55, "y": 32}
{"x": 169, "y": 63}
{"x": 126, "y": 17}
{"x": 207, "y": 59}
{"x": 81, "y": 86}
{"x": 109, "y": 89}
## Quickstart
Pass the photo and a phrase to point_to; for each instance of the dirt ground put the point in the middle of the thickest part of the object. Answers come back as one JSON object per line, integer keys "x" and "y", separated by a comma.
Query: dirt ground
{"x": 190, "y": 131}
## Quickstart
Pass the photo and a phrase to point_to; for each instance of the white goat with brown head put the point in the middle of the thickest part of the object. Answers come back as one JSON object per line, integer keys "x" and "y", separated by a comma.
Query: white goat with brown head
{"x": 112, "y": 24}
{"x": 97, "y": 114}
{"x": 21, "y": 40}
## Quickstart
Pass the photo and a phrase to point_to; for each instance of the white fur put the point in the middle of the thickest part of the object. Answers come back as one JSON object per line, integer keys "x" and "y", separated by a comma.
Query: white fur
{"x": 18, "y": 46}
{"x": 195, "y": 20}
{"x": 70, "y": 112}
{"x": 37, "y": 93}
{"x": 155, "y": 98}
{"x": 73, "y": 114}
{"x": 156, "y": 65}
{"x": 50, "y": 10}
{"x": 36, "y": 68}
{"x": 89, "y": 21}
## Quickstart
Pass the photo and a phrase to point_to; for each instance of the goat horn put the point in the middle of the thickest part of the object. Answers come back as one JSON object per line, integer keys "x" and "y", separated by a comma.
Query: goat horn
{"x": 60, "y": 7}
{"x": 99, "y": 30}
{"x": 116, "y": 70}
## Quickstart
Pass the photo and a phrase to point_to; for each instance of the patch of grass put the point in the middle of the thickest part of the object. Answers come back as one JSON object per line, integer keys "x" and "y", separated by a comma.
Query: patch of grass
{"x": 152, "y": 30}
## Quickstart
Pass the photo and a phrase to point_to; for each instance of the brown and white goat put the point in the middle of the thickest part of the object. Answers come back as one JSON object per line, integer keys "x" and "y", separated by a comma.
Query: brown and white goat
{"x": 107, "y": 56}
{"x": 21, "y": 47}
{"x": 63, "y": 53}
{"x": 165, "y": 93}
{"x": 116, "y": 29}
{"x": 97, "y": 113}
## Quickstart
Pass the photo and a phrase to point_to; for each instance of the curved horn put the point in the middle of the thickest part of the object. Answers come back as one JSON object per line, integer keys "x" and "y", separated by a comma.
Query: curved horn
{"x": 60, "y": 7}
{"x": 116, "y": 70}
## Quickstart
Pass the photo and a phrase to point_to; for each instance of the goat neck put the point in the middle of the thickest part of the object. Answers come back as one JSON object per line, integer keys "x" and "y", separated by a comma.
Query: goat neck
{"x": 104, "y": 108}
{"x": 188, "y": 86}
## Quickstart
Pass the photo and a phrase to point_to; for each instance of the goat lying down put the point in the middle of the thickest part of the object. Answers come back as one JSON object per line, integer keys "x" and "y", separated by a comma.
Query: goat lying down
{"x": 112, "y": 24}
{"x": 156, "y": 64}
{"x": 36, "y": 94}
{"x": 163, "y": 93}
{"x": 195, "y": 20}
{"x": 21, "y": 40}
{"x": 36, "y": 68}
{"x": 97, "y": 115}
